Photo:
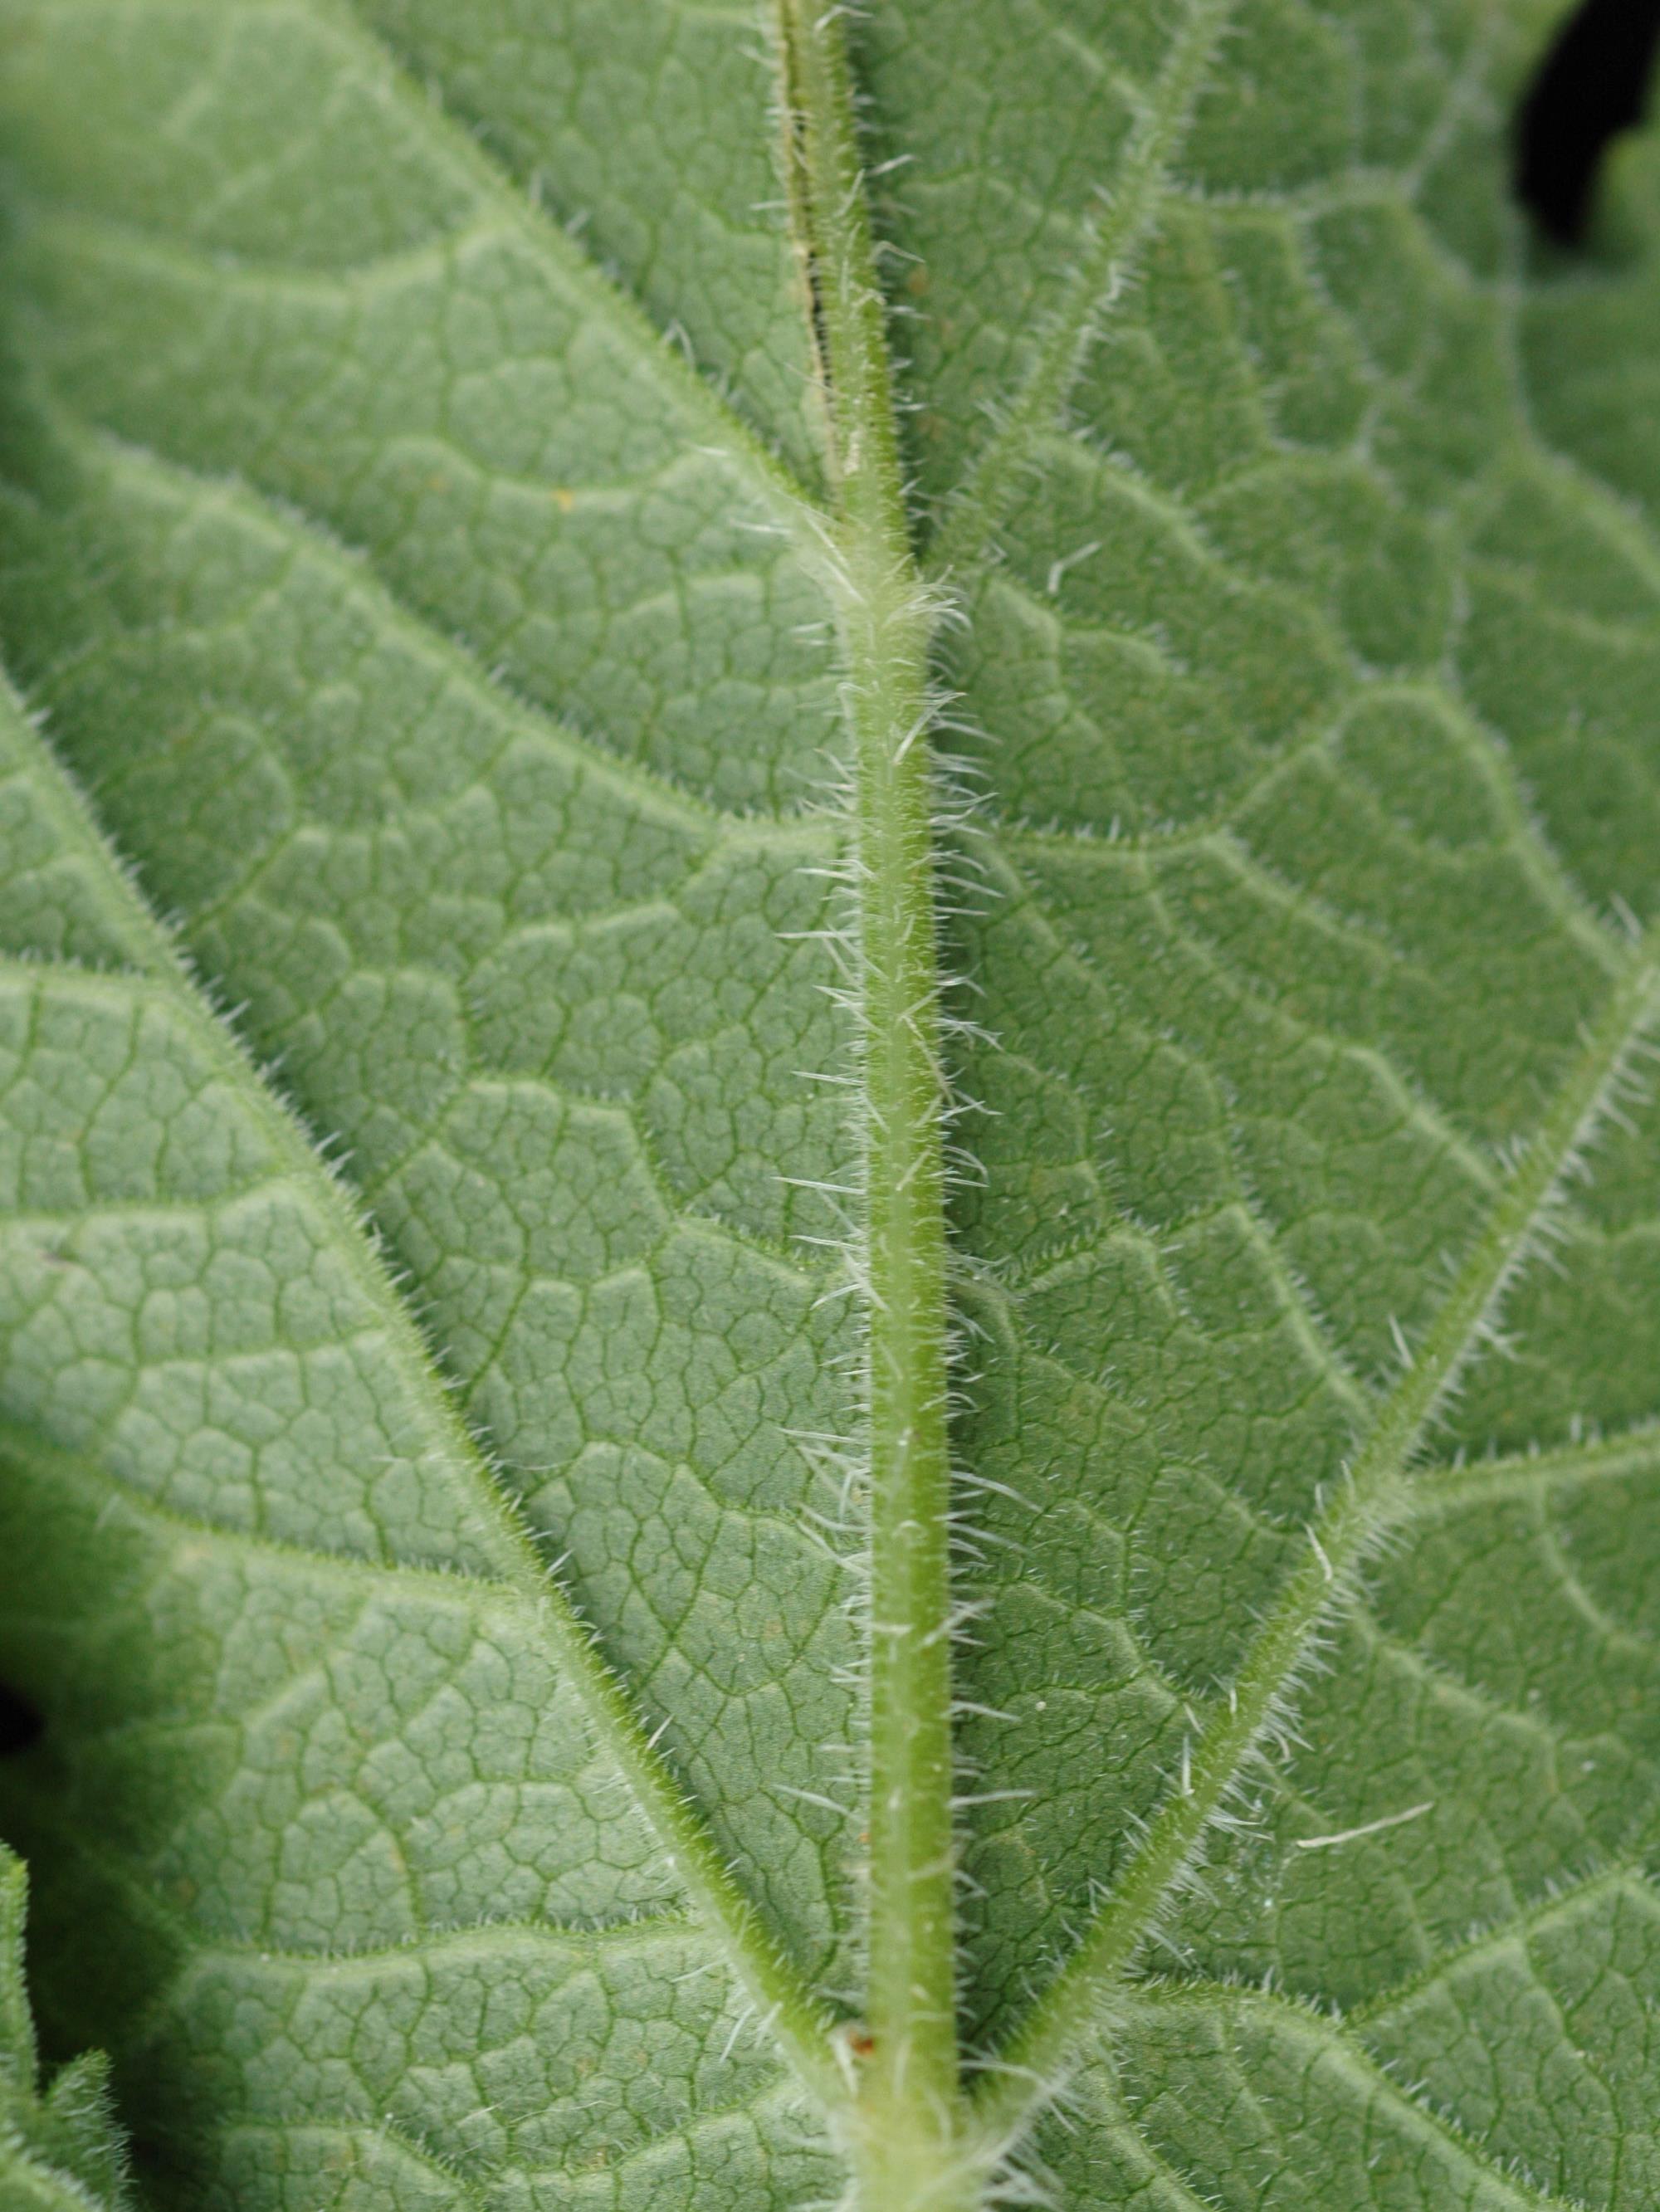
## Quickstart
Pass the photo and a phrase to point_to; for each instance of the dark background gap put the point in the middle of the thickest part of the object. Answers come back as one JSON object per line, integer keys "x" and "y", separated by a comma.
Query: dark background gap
{"x": 1593, "y": 84}
{"x": 20, "y": 1725}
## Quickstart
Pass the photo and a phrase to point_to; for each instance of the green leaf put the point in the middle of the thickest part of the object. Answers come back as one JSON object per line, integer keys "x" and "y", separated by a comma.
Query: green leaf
{"x": 58, "y": 2152}
{"x": 829, "y": 1310}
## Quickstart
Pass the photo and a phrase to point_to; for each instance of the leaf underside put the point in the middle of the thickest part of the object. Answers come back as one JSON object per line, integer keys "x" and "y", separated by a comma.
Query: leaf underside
{"x": 439, "y": 1084}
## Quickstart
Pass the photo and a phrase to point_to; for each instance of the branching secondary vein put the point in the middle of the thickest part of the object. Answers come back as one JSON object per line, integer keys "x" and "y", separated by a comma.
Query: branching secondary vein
{"x": 1131, "y": 205}
{"x": 1334, "y": 2046}
{"x": 1607, "y": 1459}
{"x": 602, "y": 298}
{"x": 1376, "y": 1489}
{"x": 770, "y": 1984}
{"x": 918, "y": 2145}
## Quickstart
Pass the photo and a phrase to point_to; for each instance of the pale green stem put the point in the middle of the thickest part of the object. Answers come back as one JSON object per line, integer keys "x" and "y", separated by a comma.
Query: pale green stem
{"x": 917, "y": 2144}
{"x": 907, "y": 2129}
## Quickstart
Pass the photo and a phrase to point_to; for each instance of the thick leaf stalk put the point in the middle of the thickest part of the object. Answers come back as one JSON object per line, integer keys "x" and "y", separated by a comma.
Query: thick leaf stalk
{"x": 907, "y": 2122}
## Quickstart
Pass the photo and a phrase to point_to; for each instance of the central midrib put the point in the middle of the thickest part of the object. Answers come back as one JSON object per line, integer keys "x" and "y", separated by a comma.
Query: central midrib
{"x": 923, "y": 2135}
{"x": 904, "y": 2128}
{"x": 918, "y": 2142}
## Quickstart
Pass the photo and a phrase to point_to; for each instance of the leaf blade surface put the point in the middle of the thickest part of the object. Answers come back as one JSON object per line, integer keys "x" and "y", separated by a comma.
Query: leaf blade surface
{"x": 1298, "y": 904}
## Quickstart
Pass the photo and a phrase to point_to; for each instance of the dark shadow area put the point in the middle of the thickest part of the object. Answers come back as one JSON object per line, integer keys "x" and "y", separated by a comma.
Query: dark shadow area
{"x": 1593, "y": 84}
{"x": 20, "y": 1725}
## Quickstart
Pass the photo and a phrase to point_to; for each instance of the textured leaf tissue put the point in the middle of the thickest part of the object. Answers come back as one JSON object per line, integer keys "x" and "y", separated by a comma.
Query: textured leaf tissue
{"x": 830, "y": 1168}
